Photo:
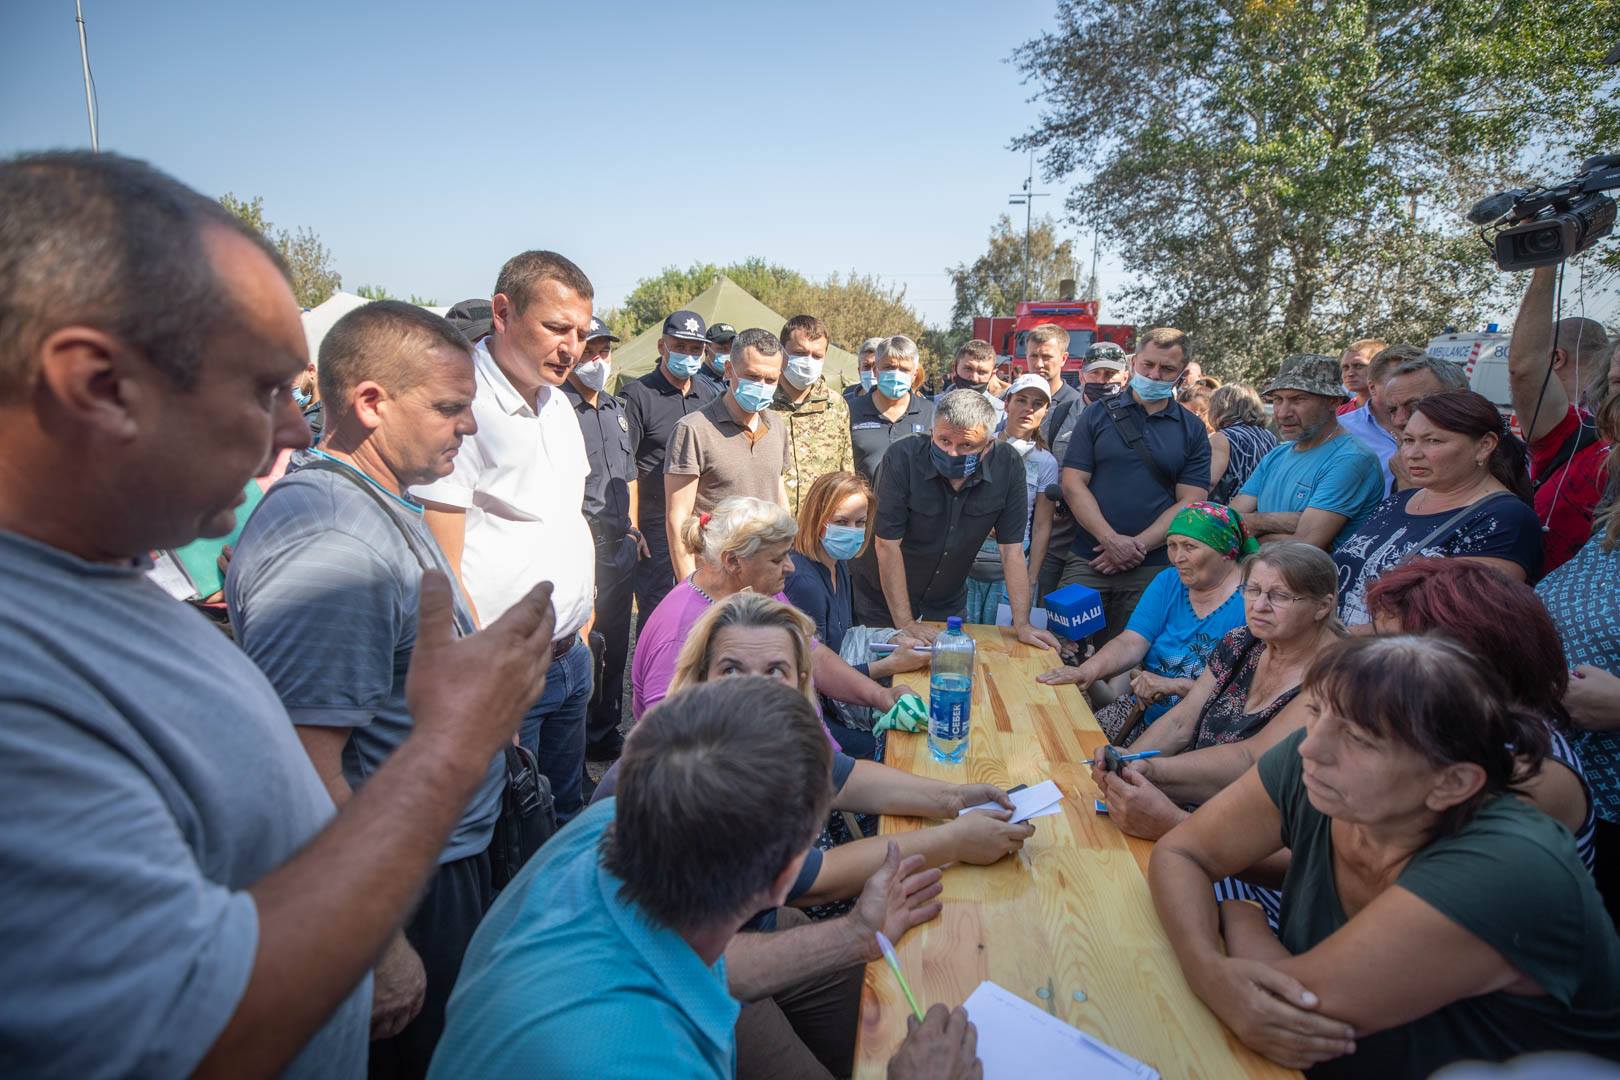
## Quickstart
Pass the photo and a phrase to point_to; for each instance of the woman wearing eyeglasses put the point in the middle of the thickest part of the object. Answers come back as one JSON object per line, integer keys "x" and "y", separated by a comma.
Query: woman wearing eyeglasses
{"x": 1243, "y": 703}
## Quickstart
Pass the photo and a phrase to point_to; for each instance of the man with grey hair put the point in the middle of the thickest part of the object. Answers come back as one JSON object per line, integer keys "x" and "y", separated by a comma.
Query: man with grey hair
{"x": 323, "y": 591}
{"x": 180, "y": 896}
{"x": 1548, "y": 366}
{"x": 893, "y": 410}
{"x": 939, "y": 497}
{"x": 866, "y": 361}
{"x": 734, "y": 445}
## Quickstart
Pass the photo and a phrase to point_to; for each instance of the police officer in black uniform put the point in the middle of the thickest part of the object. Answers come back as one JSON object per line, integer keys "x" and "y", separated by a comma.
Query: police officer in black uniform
{"x": 618, "y": 544}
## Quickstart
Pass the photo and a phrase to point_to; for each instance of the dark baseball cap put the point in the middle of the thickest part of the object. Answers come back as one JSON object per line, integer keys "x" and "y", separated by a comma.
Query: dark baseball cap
{"x": 600, "y": 329}
{"x": 721, "y": 333}
{"x": 686, "y": 325}
{"x": 473, "y": 318}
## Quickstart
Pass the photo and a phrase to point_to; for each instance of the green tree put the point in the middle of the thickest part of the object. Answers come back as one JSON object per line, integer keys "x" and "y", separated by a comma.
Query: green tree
{"x": 378, "y": 292}
{"x": 854, "y": 306}
{"x": 313, "y": 278}
{"x": 993, "y": 284}
{"x": 1285, "y": 175}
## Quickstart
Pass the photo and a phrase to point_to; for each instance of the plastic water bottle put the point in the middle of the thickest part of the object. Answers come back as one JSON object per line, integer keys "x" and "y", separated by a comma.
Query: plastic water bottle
{"x": 950, "y": 693}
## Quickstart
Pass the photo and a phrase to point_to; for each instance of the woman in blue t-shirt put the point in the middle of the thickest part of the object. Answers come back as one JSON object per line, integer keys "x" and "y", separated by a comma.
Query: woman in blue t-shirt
{"x": 1182, "y": 616}
{"x": 1472, "y": 501}
{"x": 1429, "y": 914}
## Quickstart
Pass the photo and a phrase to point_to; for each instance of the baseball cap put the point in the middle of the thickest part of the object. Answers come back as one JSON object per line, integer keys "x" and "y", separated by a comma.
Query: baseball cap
{"x": 599, "y": 329}
{"x": 1029, "y": 381}
{"x": 473, "y": 318}
{"x": 1105, "y": 356}
{"x": 686, "y": 325}
{"x": 1312, "y": 373}
{"x": 721, "y": 333}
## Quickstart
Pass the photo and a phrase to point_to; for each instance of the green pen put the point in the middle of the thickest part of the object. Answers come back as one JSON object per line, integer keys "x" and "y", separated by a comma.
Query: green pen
{"x": 894, "y": 962}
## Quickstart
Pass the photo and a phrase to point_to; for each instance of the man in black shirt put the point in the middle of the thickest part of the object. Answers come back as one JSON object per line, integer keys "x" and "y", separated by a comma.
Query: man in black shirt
{"x": 716, "y": 353}
{"x": 939, "y": 497}
{"x": 609, "y": 497}
{"x": 653, "y": 405}
{"x": 1134, "y": 460}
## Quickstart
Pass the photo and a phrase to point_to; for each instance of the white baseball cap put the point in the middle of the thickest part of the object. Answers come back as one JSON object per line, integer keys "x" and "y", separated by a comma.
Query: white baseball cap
{"x": 1029, "y": 381}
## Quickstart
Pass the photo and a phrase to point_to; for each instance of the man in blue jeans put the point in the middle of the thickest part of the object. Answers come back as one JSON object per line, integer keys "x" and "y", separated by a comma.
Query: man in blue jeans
{"x": 509, "y": 513}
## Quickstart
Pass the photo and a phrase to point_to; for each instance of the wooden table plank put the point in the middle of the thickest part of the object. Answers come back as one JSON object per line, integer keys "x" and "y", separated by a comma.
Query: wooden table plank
{"x": 1070, "y": 913}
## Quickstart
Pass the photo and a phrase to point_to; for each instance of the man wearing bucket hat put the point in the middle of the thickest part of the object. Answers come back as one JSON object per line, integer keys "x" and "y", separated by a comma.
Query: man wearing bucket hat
{"x": 1319, "y": 484}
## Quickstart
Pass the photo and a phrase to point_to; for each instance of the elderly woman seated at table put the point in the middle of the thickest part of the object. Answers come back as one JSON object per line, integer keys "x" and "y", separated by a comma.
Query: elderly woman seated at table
{"x": 1504, "y": 624}
{"x": 1243, "y": 704}
{"x": 743, "y": 543}
{"x": 1430, "y": 914}
{"x": 1184, "y": 613}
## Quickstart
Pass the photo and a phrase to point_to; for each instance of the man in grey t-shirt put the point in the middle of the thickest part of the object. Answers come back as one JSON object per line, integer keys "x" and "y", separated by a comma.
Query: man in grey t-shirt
{"x": 323, "y": 592}
{"x": 178, "y": 896}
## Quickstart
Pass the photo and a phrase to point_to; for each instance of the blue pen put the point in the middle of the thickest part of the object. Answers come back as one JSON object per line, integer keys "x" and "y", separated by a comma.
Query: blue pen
{"x": 1113, "y": 759}
{"x": 1139, "y": 755}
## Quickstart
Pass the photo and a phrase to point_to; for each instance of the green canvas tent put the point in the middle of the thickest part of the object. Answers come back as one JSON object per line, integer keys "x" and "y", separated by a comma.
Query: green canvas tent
{"x": 724, "y": 301}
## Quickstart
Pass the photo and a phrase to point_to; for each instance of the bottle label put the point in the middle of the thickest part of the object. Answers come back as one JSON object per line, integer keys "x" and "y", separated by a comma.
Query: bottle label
{"x": 948, "y": 708}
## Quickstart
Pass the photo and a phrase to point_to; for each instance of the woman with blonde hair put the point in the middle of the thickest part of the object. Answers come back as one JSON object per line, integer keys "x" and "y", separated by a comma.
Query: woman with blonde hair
{"x": 742, "y": 544}
{"x": 1238, "y": 438}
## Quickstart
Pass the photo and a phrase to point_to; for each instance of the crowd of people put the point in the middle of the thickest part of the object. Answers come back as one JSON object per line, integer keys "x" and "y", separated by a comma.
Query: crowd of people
{"x": 1369, "y": 625}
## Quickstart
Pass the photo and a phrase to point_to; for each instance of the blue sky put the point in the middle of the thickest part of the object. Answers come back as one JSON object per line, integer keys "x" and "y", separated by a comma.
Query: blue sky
{"x": 428, "y": 142}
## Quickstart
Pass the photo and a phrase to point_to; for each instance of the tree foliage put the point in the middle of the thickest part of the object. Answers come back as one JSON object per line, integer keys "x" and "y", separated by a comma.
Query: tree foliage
{"x": 993, "y": 284}
{"x": 1285, "y": 175}
{"x": 854, "y": 306}
{"x": 313, "y": 278}
{"x": 378, "y": 292}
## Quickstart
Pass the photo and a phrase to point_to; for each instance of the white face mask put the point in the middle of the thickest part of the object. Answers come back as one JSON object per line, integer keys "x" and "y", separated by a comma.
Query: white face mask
{"x": 803, "y": 370}
{"x": 594, "y": 374}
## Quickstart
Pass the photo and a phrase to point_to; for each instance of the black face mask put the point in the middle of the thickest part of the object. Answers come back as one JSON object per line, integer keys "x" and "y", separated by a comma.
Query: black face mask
{"x": 1096, "y": 391}
{"x": 963, "y": 384}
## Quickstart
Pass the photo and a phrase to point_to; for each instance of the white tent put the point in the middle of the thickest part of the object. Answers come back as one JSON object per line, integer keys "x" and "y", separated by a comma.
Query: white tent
{"x": 321, "y": 318}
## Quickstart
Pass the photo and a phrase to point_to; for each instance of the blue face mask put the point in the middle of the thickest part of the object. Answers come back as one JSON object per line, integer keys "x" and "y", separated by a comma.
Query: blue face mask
{"x": 684, "y": 365}
{"x": 842, "y": 541}
{"x": 302, "y": 398}
{"x": 753, "y": 395}
{"x": 953, "y": 468}
{"x": 894, "y": 384}
{"x": 868, "y": 380}
{"x": 1152, "y": 389}
{"x": 720, "y": 362}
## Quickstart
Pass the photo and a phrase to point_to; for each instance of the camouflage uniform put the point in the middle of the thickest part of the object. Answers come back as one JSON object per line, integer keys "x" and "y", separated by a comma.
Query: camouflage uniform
{"x": 818, "y": 438}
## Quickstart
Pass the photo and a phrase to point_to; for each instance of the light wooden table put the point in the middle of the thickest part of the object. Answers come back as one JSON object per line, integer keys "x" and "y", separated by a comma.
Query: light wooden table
{"x": 1070, "y": 913}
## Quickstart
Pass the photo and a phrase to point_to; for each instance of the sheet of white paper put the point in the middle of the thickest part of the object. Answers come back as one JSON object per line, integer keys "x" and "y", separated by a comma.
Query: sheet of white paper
{"x": 1021, "y": 1041}
{"x": 1037, "y": 801}
{"x": 1037, "y": 616}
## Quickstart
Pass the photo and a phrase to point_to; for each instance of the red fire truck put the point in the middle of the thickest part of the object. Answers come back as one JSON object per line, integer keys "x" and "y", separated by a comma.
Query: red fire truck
{"x": 1078, "y": 317}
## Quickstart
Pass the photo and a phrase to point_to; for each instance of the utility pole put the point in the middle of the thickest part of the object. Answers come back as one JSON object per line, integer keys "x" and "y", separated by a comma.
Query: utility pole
{"x": 1026, "y": 199}
{"x": 89, "y": 95}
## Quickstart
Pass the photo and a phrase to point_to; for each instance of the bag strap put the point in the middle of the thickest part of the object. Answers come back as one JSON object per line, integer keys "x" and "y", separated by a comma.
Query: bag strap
{"x": 1452, "y": 522}
{"x": 1583, "y": 436}
{"x": 1131, "y": 431}
{"x": 355, "y": 477}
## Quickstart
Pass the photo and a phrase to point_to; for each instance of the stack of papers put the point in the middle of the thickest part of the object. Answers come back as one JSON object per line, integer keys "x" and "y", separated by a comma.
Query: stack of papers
{"x": 1032, "y": 802}
{"x": 1018, "y": 1041}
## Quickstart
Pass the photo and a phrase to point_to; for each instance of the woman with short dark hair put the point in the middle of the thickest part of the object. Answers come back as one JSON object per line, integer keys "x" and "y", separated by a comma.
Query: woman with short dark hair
{"x": 1430, "y": 915}
{"x": 1472, "y": 501}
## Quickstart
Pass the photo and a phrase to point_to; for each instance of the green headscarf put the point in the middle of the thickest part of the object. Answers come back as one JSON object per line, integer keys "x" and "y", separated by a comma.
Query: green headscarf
{"x": 1216, "y": 526}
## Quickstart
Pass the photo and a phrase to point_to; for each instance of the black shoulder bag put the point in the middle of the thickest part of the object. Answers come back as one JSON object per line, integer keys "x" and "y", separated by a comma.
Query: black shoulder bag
{"x": 1130, "y": 429}
{"x": 528, "y": 816}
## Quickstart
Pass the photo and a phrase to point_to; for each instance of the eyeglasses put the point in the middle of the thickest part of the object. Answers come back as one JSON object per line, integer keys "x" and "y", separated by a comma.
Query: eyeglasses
{"x": 1275, "y": 597}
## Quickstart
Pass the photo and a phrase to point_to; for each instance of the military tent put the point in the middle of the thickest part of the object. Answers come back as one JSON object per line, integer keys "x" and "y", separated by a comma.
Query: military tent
{"x": 724, "y": 301}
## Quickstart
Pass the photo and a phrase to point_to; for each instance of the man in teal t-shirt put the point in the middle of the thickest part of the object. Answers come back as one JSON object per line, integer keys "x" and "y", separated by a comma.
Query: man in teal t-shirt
{"x": 1319, "y": 485}
{"x": 605, "y": 956}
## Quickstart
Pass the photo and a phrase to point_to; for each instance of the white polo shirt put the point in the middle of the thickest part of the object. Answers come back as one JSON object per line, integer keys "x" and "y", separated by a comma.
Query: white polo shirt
{"x": 521, "y": 479}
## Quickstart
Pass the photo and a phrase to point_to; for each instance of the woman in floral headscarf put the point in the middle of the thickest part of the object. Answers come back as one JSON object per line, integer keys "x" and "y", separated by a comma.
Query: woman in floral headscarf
{"x": 1181, "y": 617}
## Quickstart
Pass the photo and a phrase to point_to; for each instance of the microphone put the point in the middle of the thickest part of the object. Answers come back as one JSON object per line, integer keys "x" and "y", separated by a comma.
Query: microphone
{"x": 1493, "y": 208}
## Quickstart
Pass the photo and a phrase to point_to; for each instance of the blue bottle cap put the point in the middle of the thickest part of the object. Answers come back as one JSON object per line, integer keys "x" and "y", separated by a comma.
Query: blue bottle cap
{"x": 954, "y": 624}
